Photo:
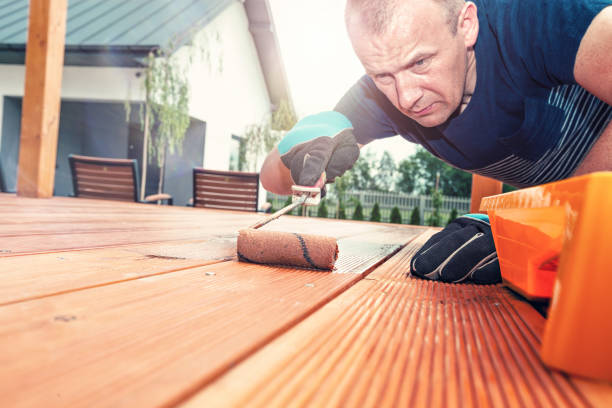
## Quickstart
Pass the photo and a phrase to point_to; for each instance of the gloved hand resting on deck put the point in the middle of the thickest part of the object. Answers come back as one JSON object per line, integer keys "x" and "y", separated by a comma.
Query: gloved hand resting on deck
{"x": 319, "y": 143}
{"x": 463, "y": 251}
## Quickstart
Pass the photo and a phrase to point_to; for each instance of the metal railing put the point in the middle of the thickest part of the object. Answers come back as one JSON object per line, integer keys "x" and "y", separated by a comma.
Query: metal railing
{"x": 386, "y": 201}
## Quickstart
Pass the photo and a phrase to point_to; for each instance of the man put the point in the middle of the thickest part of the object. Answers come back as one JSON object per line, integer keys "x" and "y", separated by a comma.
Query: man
{"x": 515, "y": 90}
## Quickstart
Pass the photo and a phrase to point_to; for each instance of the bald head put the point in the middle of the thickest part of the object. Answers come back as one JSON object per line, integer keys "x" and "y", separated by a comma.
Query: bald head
{"x": 426, "y": 70}
{"x": 376, "y": 16}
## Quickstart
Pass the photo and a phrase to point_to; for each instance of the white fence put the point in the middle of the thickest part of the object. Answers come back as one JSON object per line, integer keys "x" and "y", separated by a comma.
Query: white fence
{"x": 386, "y": 201}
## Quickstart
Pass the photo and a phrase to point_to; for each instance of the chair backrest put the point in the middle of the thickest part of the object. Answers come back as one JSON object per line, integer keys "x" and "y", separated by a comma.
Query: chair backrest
{"x": 104, "y": 178}
{"x": 230, "y": 190}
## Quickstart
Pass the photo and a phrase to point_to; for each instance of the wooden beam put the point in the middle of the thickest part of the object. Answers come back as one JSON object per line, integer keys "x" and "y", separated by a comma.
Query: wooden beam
{"x": 41, "y": 100}
{"x": 483, "y": 187}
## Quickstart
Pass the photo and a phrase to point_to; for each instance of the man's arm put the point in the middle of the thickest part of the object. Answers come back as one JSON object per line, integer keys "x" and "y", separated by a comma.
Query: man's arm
{"x": 368, "y": 112}
{"x": 319, "y": 144}
{"x": 593, "y": 65}
{"x": 274, "y": 176}
{"x": 593, "y": 71}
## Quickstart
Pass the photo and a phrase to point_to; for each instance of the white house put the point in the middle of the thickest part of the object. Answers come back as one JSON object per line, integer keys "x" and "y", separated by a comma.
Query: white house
{"x": 106, "y": 42}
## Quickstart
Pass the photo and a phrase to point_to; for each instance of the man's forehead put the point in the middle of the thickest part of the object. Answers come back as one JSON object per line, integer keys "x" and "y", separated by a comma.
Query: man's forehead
{"x": 413, "y": 36}
{"x": 380, "y": 17}
{"x": 408, "y": 30}
{"x": 381, "y": 56}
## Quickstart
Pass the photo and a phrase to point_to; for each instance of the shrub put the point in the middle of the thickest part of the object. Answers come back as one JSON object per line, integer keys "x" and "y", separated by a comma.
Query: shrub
{"x": 322, "y": 210}
{"x": 375, "y": 215}
{"x": 358, "y": 213}
{"x": 415, "y": 216}
{"x": 436, "y": 218}
{"x": 452, "y": 216}
{"x": 341, "y": 212}
{"x": 396, "y": 216}
{"x": 287, "y": 202}
{"x": 506, "y": 188}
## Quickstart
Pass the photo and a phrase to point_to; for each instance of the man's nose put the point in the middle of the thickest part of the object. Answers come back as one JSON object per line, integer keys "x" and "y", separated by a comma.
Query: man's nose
{"x": 408, "y": 91}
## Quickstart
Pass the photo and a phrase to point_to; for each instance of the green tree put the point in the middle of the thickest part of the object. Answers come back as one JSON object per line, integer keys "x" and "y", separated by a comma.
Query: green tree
{"x": 436, "y": 219}
{"x": 164, "y": 113}
{"x": 418, "y": 174}
{"x": 452, "y": 216}
{"x": 242, "y": 154}
{"x": 385, "y": 173}
{"x": 415, "y": 216}
{"x": 322, "y": 210}
{"x": 260, "y": 138}
{"x": 455, "y": 182}
{"x": 359, "y": 177}
{"x": 358, "y": 213}
{"x": 339, "y": 189}
{"x": 341, "y": 212}
{"x": 375, "y": 214}
{"x": 288, "y": 201}
{"x": 396, "y": 215}
{"x": 284, "y": 117}
{"x": 408, "y": 176}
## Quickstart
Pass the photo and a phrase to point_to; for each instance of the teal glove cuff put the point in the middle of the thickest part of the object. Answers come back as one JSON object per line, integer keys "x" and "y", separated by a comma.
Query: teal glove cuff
{"x": 328, "y": 123}
{"x": 481, "y": 217}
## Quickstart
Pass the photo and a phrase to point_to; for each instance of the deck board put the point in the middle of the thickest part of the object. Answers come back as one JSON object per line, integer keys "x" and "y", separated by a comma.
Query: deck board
{"x": 144, "y": 324}
{"x": 34, "y": 226}
{"x": 392, "y": 340}
{"x": 73, "y": 270}
{"x": 125, "y": 304}
{"x": 151, "y": 339}
{"x": 117, "y": 243}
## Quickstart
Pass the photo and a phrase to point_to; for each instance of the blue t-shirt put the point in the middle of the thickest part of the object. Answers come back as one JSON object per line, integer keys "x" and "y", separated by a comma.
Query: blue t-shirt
{"x": 522, "y": 116}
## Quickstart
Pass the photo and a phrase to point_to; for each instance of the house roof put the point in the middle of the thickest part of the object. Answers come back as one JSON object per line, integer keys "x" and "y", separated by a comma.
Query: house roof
{"x": 263, "y": 31}
{"x": 110, "y": 32}
{"x": 122, "y": 32}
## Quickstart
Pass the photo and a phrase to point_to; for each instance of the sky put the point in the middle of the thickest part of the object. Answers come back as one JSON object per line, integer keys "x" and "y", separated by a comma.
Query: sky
{"x": 319, "y": 61}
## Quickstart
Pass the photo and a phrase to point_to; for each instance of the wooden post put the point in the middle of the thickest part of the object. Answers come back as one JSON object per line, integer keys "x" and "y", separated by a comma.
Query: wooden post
{"x": 483, "y": 187}
{"x": 41, "y": 100}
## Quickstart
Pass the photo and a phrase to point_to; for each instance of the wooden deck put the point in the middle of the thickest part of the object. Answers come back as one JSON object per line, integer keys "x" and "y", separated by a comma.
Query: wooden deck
{"x": 122, "y": 304}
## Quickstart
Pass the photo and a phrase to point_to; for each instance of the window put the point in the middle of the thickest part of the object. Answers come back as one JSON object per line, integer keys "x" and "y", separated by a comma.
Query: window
{"x": 235, "y": 161}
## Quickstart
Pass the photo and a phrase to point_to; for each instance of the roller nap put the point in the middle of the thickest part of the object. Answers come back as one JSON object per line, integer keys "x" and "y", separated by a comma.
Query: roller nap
{"x": 285, "y": 248}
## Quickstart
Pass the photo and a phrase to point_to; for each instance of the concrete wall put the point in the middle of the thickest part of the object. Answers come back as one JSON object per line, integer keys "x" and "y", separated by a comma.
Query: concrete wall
{"x": 89, "y": 128}
{"x": 9, "y": 147}
{"x": 100, "y": 129}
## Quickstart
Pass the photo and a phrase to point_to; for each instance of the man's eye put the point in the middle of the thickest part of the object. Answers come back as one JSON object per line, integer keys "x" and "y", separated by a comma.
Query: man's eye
{"x": 423, "y": 62}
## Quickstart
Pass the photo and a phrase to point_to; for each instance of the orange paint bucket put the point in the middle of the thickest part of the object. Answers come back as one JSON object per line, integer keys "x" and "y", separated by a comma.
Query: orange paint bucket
{"x": 555, "y": 241}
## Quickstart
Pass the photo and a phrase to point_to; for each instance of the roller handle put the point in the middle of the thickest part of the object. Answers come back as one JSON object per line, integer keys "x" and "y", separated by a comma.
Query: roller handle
{"x": 301, "y": 195}
{"x": 280, "y": 212}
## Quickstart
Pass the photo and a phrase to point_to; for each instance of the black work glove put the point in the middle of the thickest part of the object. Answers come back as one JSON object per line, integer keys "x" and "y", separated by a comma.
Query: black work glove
{"x": 319, "y": 143}
{"x": 463, "y": 251}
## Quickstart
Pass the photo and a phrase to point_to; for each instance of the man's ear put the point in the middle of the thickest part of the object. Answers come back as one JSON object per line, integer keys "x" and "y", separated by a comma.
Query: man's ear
{"x": 468, "y": 23}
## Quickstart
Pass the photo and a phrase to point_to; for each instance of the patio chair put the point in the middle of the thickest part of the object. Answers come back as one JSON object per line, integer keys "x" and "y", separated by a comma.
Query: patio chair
{"x": 108, "y": 179}
{"x": 229, "y": 190}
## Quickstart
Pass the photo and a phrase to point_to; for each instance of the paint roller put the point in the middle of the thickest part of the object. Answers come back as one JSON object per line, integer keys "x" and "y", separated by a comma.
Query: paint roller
{"x": 285, "y": 248}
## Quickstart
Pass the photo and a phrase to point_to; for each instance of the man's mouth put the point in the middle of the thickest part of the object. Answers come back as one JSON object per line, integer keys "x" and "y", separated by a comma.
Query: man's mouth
{"x": 424, "y": 111}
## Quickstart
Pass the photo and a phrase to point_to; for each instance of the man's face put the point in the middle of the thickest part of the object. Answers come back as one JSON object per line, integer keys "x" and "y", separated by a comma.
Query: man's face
{"x": 417, "y": 63}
